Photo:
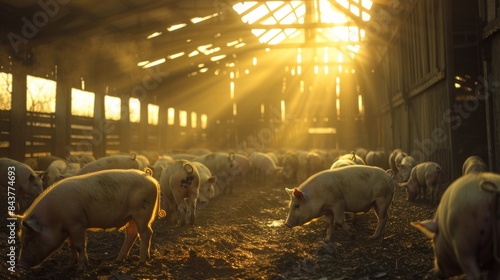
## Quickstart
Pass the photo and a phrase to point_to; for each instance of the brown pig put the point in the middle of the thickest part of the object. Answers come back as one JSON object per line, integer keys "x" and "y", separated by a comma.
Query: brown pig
{"x": 104, "y": 199}
{"x": 465, "y": 229}
{"x": 333, "y": 192}
{"x": 424, "y": 175}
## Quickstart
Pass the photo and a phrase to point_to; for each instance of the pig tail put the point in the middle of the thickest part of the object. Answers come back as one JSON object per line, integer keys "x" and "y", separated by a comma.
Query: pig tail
{"x": 492, "y": 188}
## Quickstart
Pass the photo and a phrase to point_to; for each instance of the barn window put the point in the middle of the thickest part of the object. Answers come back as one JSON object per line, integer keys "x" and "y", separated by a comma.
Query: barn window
{"x": 112, "y": 105}
{"x": 194, "y": 120}
{"x": 204, "y": 121}
{"x": 82, "y": 103}
{"x": 171, "y": 116}
{"x": 5, "y": 91}
{"x": 153, "y": 111}
{"x": 182, "y": 118}
{"x": 40, "y": 95}
{"x": 135, "y": 110}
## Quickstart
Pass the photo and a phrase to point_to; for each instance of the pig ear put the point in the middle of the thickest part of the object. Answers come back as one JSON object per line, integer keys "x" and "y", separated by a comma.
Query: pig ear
{"x": 428, "y": 227}
{"x": 212, "y": 180}
{"x": 298, "y": 194}
{"x": 33, "y": 225}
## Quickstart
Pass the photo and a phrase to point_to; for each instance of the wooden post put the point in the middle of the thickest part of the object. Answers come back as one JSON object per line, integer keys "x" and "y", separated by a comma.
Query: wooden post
{"x": 18, "y": 112}
{"x": 144, "y": 138}
{"x": 125, "y": 124}
{"x": 63, "y": 114}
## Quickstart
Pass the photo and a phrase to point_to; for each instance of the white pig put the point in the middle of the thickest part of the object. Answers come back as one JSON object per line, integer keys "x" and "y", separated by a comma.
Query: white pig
{"x": 101, "y": 200}
{"x": 424, "y": 175}
{"x": 264, "y": 167}
{"x": 465, "y": 228}
{"x": 160, "y": 164}
{"x": 474, "y": 164}
{"x": 290, "y": 167}
{"x": 20, "y": 179}
{"x": 111, "y": 162}
{"x": 395, "y": 159}
{"x": 207, "y": 182}
{"x": 71, "y": 169}
{"x": 180, "y": 187}
{"x": 333, "y": 192}
{"x": 53, "y": 172}
{"x": 341, "y": 162}
{"x": 407, "y": 164}
{"x": 224, "y": 166}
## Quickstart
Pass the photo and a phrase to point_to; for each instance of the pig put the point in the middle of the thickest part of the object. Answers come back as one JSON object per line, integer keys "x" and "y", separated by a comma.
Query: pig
{"x": 333, "y": 192}
{"x": 264, "y": 167}
{"x": 315, "y": 163}
{"x": 424, "y": 175}
{"x": 302, "y": 169}
{"x": 395, "y": 159}
{"x": 342, "y": 162}
{"x": 19, "y": 178}
{"x": 180, "y": 188}
{"x": 377, "y": 158}
{"x": 290, "y": 163}
{"x": 53, "y": 172}
{"x": 159, "y": 165}
{"x": 40, "y": 163}
{"x": 111, "y": 162}
{"x": 143, "y": 162}
{"x": 207, "y": 181}
{"x": 407, "y": 164}
{"x": 224, "y": 166}
{"x": 465, "y": 229}
{"x": 244, "y": 166}
{"x": 474, "y": 164}
{"x": 352, "y": 156}
{"x": 71, "y": 169}
{"x": 100, "y": 200}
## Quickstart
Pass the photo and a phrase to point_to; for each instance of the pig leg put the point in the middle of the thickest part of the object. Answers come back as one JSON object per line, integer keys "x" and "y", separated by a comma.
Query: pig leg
{"x": 78, "y": 243}
{"x": 381, "y": 208}
{"x": 130, "y": 237}
{"x": 469, "y": 265}
{"x": 146, "y": 234}
{"x": 331, "y": 227}
{"x": 339, "y": 218}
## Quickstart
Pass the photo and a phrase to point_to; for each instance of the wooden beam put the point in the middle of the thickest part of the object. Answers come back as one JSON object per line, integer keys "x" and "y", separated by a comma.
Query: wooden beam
{"x": 18, "y": 111}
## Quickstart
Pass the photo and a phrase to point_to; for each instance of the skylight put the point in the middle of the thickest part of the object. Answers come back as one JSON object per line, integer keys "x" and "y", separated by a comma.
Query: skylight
{"x": 339, "y": 14}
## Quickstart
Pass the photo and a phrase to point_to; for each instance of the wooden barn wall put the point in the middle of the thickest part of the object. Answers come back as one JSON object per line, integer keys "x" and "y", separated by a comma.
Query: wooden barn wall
{"x": 26, "y": 134}
{"x": 495, "y": 97}
{"x": 412, "y": 87}
{"x": 489, "y": 12}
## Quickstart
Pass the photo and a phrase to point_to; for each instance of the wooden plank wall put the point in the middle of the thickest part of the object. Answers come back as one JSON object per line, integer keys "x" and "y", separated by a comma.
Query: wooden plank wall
{"x": 413, "y": 89}
{"x": 490, "y": 15}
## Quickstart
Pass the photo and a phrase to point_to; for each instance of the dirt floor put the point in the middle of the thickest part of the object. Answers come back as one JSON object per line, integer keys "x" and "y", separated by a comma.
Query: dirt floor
{"x": 242, "y": 236}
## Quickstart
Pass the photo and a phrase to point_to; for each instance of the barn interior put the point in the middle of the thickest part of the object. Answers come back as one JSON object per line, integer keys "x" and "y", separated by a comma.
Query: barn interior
{"x": 105, "y": 77}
